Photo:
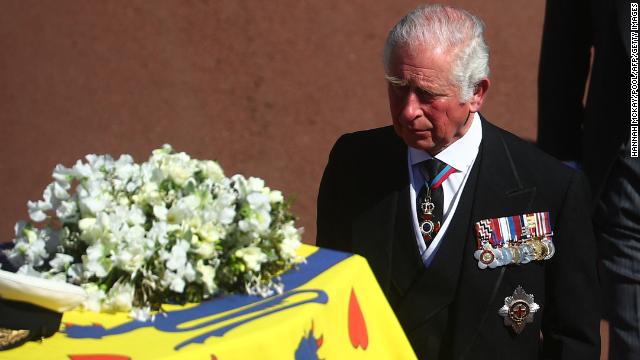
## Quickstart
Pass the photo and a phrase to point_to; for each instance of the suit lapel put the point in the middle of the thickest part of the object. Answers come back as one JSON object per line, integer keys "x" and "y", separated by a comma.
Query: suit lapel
{"x": 499, "y": 192}
{"x": 407, "y": 264}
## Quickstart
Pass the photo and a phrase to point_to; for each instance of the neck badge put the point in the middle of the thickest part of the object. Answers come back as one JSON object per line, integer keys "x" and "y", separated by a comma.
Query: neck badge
{"x": 518, "y": 309}
{"x": 517, "y": 239}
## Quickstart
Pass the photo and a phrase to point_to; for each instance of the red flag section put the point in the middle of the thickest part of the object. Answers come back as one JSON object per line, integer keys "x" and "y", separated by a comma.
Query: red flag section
{"x": 357, "y": 326}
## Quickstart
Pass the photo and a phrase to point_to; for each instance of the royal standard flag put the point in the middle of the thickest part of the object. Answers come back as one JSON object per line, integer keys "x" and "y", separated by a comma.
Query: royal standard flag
{"x": 332, "y": 308}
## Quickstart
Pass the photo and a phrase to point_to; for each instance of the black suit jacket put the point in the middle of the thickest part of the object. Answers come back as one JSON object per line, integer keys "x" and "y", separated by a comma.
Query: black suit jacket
{"x": 594, "y": 133}
{"x": 450, "y": 310}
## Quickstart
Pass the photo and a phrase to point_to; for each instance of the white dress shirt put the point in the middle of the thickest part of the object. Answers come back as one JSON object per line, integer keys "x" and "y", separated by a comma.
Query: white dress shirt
{"x": 460, "y": 155}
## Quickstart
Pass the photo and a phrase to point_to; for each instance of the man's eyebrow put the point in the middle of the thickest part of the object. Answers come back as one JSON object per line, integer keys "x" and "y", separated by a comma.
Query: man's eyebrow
{"x": 396, "y": 81}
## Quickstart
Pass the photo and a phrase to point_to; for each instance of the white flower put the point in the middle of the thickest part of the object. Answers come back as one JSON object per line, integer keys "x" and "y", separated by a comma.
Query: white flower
{"x": 95, "y": 261}
{"x": 135, "y": 216}
{"x": 120, "y": 297}
{"x": 255, "y": 184}
{"x": 258, "y": 201}
{"x": 223, "y": 207}
{"x": 142, "y": 314}
{"x": 75, "y": 273}
{"x": 210, "y": 232}
{"x": 37, "y": 210}
{"x": 160, "y": 212}
{"x": 258, "y": 222}
{"x": 207, "y": 275}
{"x": 67, "y": 210}
{"x": 91, "y": 230}
{"x": 252, "y": 256}
{"x": 132, "y": 256}
{"x": 148, "y": 193}
{"x": 211, "y": 170}
{"x": 60, "y": 262}
{"x": 158, "y": 233}
{"x": 32, "y": 251}
{"x": 291, "y": 239}
{"x": 183, "y": 209}
{"x": 95, "y": 296}
{"x": 178, "y": 167}
{"x": 125, "y": 169}
{"x": 59, "y": 190}
{"x": 176, "y": 279}
{"x": 275, "y": 197}
{"x": 63, "y": 175}
{"x": 82, "y": 170}
{"x": 206, "y": 250}
{"x": 173, "y": 281}
{"x": 178, "y": 256}
{"x": 239, "y": 183}
{"x": 93, "y": 204}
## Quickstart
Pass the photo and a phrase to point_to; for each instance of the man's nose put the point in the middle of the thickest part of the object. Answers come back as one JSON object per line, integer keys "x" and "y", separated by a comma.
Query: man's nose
{"x": 411, "y": 108}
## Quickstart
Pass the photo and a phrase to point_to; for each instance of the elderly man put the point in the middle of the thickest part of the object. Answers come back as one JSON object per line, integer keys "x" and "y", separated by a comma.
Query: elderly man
{"x": 481, "y": 243}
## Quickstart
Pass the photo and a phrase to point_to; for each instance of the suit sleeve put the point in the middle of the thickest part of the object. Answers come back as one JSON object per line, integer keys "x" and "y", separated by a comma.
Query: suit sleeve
{"x": 333, "y": 229}
{"x": 571, "y": 322}
{"x": 564, "y": 66}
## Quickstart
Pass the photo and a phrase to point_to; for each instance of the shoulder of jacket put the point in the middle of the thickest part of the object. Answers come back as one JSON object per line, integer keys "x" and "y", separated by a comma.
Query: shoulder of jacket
{"x": 527, "y": 154}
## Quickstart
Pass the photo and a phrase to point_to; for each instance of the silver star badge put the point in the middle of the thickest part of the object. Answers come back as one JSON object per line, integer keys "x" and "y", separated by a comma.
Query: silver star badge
{"x": 518, "y": 309}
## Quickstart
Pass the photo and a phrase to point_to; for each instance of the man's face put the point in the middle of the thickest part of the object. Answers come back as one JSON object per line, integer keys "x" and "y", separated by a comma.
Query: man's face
{"x": 427, "y": 113}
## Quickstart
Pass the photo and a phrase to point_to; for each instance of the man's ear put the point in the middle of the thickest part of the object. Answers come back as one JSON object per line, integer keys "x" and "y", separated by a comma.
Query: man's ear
{"x": 479, "y": 92}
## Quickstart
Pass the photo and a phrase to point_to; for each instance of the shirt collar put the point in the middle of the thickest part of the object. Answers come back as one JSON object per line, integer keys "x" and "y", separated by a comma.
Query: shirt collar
{"x": 461, "y": 154}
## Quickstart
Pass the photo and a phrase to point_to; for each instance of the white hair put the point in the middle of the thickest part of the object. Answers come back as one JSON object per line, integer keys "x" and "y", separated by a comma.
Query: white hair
{"x": 450, "y": 30}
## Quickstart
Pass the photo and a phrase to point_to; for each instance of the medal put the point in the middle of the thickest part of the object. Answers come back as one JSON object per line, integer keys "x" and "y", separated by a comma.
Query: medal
{"x": 518, "y": 309}
{"x": 507, "y": 258}
{"x": 488, "y": 257}
{"x": 427, "y": 226}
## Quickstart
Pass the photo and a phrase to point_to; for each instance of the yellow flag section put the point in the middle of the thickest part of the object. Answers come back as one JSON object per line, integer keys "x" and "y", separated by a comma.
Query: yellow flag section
{"x": 332, "y": 308}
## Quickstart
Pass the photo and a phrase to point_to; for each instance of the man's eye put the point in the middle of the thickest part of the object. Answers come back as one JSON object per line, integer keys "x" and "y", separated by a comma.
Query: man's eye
{"x": 425, "y": 94}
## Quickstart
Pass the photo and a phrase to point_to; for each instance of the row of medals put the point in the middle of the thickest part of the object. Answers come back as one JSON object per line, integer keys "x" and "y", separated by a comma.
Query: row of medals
{"x": 518, "y": 252}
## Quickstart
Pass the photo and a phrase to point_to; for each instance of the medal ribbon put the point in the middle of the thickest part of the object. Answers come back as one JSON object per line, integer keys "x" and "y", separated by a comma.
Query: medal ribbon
{"x": 441, "y": 177}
